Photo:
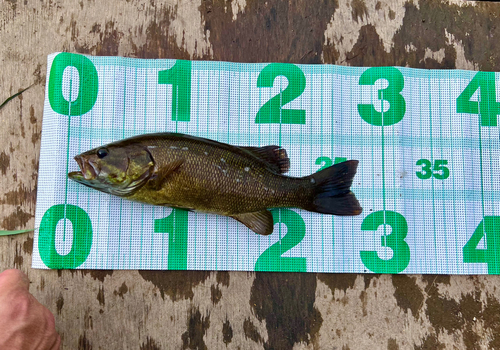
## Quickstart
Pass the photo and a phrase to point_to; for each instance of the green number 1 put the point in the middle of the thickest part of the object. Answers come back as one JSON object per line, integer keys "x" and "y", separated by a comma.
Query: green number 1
{"x": 180, "y": 78}
{"x": 176, "y": 225}
{"x": 488, "y": 108}
{"x": 395, "y": 241}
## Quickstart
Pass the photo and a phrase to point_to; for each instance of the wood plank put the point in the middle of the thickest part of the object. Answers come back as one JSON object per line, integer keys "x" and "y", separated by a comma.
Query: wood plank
{"x": 165, "y": 310}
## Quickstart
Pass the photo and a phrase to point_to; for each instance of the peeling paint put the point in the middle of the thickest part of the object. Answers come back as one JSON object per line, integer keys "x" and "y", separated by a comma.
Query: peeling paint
{"x": 84, "y": 343}
{"x": 287, "y": 306}
{"x": 461, "y": 61}
{"x": 188, "y": 29}
{"x": 435, "y": 55}
{"x": 227, "y": 332}
{"x": 100, "y": 296}
{"x": 251, "y": 331}
{"x": 238, "y": 6}
{"x": 345, "y": 25}
{"x": 176, "y": 284}
{"x": 216, "y": 294}
{"x": 407, "y": 293}
{"x": 4, "y": 162}
{"x": 197, "y": 327}
{"x": 17, "y": 219}
{"x": 121, "y": 291}
{"x": 59, "y": 304}
{"x": 150, "y": 344}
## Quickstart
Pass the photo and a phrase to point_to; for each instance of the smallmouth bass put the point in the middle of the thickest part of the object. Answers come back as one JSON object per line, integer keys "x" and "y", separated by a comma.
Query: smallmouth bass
{"x": 188, "y": 172}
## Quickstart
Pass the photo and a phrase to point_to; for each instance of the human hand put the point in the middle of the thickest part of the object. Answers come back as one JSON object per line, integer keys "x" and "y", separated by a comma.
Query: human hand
{"x": 24, "y": 322}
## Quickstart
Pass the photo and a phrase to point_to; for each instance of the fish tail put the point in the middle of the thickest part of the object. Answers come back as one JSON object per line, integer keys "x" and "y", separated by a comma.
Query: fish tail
{"x": 331, "y": 191}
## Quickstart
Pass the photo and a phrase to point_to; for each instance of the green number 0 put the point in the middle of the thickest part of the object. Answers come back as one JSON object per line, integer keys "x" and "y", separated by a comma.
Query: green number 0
{"x": 87, "y": 91}
{"x": 82, "y": 237}
{"x": 176, "y": 225}
{"x": 395, "y": 241}
{"x": 271, "y": 259}
{"x": 272, "y": 111}
{"x": 391, "y": 93}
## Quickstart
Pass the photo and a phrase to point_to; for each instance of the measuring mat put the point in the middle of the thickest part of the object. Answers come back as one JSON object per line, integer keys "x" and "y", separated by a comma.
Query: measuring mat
{"x": 428, "y": 179}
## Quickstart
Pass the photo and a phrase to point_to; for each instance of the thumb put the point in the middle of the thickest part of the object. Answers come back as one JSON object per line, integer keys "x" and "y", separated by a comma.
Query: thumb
{"x": 14, "y": 278}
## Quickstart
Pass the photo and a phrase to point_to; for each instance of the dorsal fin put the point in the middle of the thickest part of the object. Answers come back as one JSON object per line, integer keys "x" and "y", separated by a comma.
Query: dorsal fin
{"x": 260, "y": 222}
{"x": 163, "y": 173}
{"x": 275, "y": 157}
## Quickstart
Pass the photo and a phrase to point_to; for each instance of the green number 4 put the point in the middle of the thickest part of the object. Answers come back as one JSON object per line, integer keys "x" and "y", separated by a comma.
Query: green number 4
{"x": 489, "y": 228}
{"x": 488, "y": 108}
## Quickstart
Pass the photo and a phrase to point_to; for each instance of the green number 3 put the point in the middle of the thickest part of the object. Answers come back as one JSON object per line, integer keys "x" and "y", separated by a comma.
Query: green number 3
{"x": 395, "y": 241}
{"x": 391, "y": 94}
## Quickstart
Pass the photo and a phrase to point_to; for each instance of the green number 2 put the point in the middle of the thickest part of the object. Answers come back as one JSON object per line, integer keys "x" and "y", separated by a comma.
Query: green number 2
{"x": 271, "y": 259}
{"x": 272, "y": 111}
{"x": 180, "y": 78}
{"x": 489, "y": 227}
{"x": 395, "y": 240}
{"x": 326, "y": 162}
{"x": 176, "y": 225}
{"x": 391, "y": 93}
{"x": 488, "y": 108}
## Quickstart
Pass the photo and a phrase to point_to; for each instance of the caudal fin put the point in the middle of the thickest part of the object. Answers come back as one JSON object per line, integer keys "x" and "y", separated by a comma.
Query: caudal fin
{"x": 332, "y": 194}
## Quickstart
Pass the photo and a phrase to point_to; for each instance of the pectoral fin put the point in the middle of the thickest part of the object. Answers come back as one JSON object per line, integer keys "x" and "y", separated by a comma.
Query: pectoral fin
{"x": 261, "y": 222}
{"x": 164, "y": 172}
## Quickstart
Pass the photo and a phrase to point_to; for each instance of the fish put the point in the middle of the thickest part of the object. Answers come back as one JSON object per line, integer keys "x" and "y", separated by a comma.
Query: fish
{"x": 198, "y": 174}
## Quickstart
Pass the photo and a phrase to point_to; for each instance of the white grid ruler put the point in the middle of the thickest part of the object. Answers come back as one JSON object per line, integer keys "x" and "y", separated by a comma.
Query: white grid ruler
{"x": 428, "y": 178}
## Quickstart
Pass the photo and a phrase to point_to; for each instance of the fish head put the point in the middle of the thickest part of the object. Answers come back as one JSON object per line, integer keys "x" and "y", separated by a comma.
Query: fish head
{"x": 115, "y": 169}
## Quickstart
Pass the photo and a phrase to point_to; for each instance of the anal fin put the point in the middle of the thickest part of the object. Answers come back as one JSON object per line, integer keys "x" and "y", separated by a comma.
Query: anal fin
{"x": 261, "y": 222}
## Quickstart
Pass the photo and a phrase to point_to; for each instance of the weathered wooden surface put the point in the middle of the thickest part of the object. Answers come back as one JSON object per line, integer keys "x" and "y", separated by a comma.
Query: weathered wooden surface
{"x": 172, "y": 310}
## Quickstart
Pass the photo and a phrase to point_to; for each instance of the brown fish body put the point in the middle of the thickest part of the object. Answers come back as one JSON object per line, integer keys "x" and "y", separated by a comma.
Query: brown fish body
{"x": 218, "y": 178}
{"x": 182, "y": 171}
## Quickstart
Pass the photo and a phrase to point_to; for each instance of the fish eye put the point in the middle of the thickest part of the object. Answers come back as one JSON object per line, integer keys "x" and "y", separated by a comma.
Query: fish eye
{"x": 102, "y": 152}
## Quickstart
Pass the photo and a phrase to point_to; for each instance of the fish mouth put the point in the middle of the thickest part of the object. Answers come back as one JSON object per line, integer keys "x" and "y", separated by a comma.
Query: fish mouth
{"x": 88, "y": 171}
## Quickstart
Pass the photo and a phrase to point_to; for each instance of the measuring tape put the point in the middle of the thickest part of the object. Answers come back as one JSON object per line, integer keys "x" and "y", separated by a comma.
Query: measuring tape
{"x": 427, "y": 142}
